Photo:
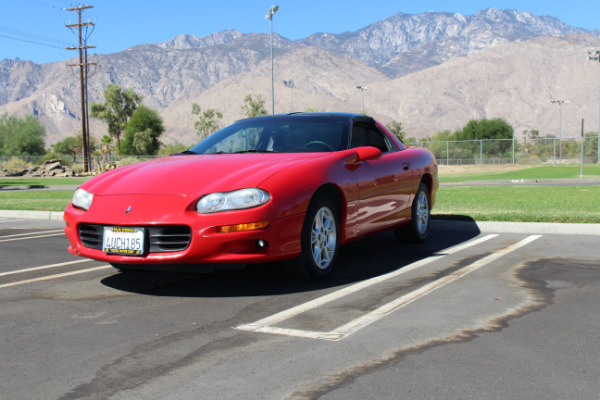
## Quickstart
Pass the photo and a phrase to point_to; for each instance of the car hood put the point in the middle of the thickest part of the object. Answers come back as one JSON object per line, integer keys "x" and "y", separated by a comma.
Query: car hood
{"x": 195, "y": 174}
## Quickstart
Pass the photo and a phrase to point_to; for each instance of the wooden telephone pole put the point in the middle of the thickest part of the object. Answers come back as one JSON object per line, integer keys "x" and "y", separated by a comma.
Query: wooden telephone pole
{"x": 82, "y": 69}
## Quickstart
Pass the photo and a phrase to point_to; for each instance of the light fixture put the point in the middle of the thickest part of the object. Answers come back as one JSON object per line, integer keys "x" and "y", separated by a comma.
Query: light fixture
{"x": 269, "y": 16}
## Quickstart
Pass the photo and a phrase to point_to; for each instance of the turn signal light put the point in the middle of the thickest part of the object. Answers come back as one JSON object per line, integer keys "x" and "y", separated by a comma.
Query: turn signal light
{"x": 252, "y": 226}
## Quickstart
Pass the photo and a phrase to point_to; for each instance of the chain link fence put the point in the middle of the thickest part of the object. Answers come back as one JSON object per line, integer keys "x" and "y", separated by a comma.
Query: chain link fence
{"x": 509, "y": 151}
{"x": 458, "y": 152}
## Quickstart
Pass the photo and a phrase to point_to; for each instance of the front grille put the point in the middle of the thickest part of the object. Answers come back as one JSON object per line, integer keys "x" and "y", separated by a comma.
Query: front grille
{"x": 91, "y": 236}
{"x": 164, "y": 239}
{"x": 159, "y": 239}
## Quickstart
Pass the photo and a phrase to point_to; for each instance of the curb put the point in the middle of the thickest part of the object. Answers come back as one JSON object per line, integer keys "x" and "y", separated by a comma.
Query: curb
{"x": 516, "y": 227}
{"x": 41, "y": 215}
{"x": 436, "y": 224}
{"x": 526, "y": 182}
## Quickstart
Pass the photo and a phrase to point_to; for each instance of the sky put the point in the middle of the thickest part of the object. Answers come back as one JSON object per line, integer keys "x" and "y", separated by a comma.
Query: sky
{"x": 35, "y": 29}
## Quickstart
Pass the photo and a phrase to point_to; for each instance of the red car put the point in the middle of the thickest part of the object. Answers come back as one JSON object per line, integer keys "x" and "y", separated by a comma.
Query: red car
{"x": 289, "y": 188}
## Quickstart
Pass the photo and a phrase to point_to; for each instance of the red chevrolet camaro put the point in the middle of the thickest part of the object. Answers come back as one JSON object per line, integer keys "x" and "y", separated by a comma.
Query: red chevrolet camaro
{"x": 289, "y": 188}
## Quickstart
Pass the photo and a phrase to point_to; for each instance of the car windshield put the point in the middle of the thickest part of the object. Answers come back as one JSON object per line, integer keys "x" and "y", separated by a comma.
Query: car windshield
{"x": 286, "y": 134}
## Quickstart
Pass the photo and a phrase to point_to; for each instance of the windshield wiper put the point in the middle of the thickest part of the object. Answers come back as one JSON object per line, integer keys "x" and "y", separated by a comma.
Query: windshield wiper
{"x": 254, "y": 151}
{"x": 185, "y": 153}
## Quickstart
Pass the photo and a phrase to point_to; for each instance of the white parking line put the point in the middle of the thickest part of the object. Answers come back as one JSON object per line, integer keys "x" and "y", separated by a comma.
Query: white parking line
{"x": 23, "y": 236}
{"x": 265, "y": 324}
{"x": 29, "y": 233}
{"x": 402, "y": 301}
{"x": 22, "y": 271}
{"x": 55, "y": 276}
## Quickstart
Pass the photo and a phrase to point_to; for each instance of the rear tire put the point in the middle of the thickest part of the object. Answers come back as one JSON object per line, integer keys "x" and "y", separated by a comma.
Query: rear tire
{"x": 418, "y": 229}
{"x": 319, "y": 242}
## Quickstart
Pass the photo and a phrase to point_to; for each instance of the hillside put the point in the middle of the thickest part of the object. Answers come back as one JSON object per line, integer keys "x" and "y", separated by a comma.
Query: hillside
{"x": 431, "y": 71}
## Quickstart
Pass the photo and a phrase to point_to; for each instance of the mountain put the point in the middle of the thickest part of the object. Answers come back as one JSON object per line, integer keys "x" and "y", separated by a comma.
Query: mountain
{"x": 431, "y": 71}
{"x": 405, "y": 43}
{"x": 514, "y": 81}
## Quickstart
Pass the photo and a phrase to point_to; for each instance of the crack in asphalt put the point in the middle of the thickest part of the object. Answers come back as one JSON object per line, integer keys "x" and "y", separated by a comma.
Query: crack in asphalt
{"x": 530, "y": 277}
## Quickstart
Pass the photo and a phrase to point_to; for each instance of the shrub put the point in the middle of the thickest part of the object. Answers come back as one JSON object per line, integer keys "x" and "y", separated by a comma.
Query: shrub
{"x": 15, "y": 164}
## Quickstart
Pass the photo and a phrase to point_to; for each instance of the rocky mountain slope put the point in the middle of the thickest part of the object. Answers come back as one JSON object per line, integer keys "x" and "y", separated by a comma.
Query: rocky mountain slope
{"x": 405, "y": 43}
{"x": 431, "y": 71}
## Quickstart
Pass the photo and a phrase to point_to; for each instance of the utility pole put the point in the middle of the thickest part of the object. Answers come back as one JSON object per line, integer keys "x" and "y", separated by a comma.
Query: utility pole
{"x": 560, "y": 103}
{"x": 269, "y": 16}
{"x": 362, "y": 89}
{"x": 82, "y": 68}
{"x": 594, "y": 55}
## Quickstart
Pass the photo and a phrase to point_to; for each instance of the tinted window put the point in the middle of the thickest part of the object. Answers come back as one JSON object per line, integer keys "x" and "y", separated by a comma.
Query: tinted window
{"x": 291, "y": 134}
{"x": 364, "y": 134}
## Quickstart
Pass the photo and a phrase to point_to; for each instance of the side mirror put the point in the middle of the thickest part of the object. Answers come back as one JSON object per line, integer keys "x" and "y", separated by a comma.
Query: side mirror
{"x": 363, "y": 153}
{"x": 366, "y": 153}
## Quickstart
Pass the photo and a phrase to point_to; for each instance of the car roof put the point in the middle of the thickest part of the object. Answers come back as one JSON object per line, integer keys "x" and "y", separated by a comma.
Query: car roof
{"x": 337, "y": 115}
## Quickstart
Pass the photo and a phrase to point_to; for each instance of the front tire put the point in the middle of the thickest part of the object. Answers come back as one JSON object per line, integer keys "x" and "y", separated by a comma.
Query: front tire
{"x": 319, "y": 242}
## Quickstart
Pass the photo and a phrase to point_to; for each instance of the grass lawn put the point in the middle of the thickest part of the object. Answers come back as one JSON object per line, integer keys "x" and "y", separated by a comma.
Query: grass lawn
{"x": 8, "y": 182}
{"x": 520, "y": 203}
{"x": 450, "y": 173}
{"x": 41, "y": 200}
{"x": 482, "y": 203}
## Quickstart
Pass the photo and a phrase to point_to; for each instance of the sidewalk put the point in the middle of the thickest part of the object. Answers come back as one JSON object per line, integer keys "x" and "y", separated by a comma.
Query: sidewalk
{"x": 436, "y": 224}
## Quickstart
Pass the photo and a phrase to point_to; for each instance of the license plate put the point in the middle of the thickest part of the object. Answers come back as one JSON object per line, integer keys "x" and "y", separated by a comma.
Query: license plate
{"x": 123, "y": 241}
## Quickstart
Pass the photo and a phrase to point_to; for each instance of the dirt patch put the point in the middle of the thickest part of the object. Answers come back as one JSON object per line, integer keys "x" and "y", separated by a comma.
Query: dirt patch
{"x": 479, "y": 168}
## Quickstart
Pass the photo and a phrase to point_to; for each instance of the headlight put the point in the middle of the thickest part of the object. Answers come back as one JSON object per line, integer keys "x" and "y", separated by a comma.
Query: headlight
{"x": 82, "y": 199}
{"x": 236, "y": 200}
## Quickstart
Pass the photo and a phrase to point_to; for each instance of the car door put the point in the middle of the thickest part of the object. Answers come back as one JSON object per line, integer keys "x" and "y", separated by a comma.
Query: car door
{"x": 384, "y": 184}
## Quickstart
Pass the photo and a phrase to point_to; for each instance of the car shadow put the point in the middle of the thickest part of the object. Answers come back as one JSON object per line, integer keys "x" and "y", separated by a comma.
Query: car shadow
{"x": 357, "y": 261}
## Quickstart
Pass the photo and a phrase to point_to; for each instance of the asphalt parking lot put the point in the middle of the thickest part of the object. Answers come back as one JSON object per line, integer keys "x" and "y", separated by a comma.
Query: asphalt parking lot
{"x": 482, "y": 311}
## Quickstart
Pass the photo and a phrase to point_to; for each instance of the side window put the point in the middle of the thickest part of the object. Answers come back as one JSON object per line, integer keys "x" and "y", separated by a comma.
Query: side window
{"x": 364, "y": 134}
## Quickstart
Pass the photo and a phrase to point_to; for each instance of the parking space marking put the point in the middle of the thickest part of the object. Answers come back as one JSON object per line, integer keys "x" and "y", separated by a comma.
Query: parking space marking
{"x": 24, "y": 236}
{"x": 29, "y": 233}
{"x": 402, "y": 301}
{"x": 55, "y": 276}
{"x": 265, "y": 325}
{"x": 22, "y": 271}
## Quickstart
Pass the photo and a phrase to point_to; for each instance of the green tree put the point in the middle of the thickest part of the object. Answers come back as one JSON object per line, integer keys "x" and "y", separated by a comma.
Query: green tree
{"x": 207, "y": 123}
{"x": 396, "y": 128}
{"x": 439, "y": 144}
{"x": 107, "y": 147}
{"x": 485, "y": 129}
{"x": 533, "y": 134}
{"x": 21, "y": 137}
{"x": 70, "y": 146}
{"x": 590, "y": 144}
{"x": 118, "y": 107}
{"x": 254, "y": 107}
{"x": 173, "y": 149}
{"x": 73, "y": 146}
{"x": 142, "y": 133}
{"x": 536, "y": 146}
{"x": 496, "y": 128}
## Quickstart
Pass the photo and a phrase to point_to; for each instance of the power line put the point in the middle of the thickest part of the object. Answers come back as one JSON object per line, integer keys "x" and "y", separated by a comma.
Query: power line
{"x": 32, "y": 42}
{"x": 14, "y": 34}
{"x": 45, "y": 3}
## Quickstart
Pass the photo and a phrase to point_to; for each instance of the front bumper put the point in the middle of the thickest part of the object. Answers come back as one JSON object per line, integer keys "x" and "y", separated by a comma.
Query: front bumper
{"x": 278, "y": 241}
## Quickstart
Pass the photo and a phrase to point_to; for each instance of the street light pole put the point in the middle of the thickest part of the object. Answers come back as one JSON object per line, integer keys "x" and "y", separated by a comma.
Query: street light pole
{"x": 290, "y": 84}
{"x": 362, "y": 89}
{"x": 594, "y": 55}
{"x": 560, "y": 103}
{"x": 269, "y": 16}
